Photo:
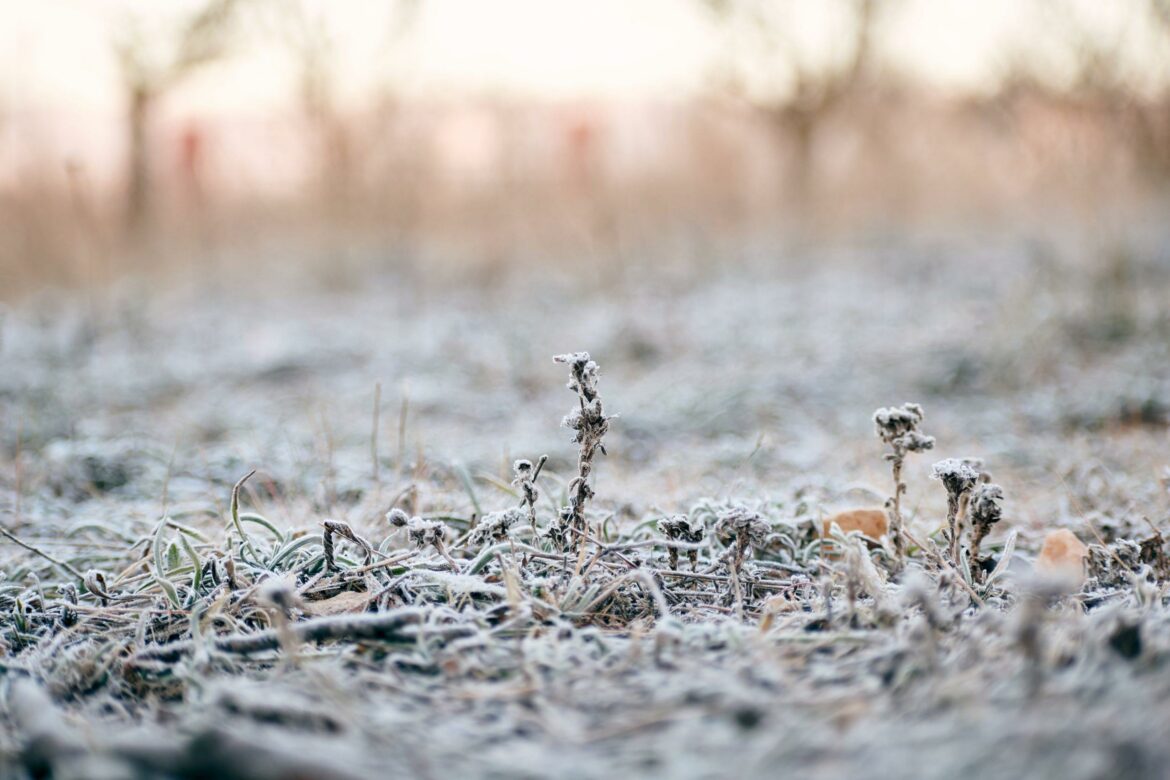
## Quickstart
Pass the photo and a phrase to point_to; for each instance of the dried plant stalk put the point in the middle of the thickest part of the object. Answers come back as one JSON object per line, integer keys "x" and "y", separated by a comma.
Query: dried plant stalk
{"x": 591, "y": 424}
{"x": 898, "y": 427}
{"x": 958, "y": 476}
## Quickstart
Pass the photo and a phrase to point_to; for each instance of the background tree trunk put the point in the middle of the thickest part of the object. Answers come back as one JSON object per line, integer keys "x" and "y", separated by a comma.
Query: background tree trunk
{"x": 139, "y": 176}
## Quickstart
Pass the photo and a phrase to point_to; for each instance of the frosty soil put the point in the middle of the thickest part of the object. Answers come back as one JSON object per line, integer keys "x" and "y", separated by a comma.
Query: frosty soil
{"x": 576, "y": 616}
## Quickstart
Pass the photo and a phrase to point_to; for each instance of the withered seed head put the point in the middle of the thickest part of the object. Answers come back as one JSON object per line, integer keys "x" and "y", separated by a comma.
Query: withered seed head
{"x": 957, "y": 475}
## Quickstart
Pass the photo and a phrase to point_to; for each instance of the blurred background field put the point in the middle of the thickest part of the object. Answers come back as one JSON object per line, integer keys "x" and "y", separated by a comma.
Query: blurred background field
{"x": 463, "y": 139}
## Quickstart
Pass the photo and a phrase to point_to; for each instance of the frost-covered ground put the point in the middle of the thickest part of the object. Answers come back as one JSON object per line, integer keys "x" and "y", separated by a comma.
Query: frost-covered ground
{"x": 753, "y": 382}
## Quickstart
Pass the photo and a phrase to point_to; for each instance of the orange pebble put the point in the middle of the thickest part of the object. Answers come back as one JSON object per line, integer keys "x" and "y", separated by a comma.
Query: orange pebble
{"x": 873, "y": 523}
{"x": 1063, "y": 555}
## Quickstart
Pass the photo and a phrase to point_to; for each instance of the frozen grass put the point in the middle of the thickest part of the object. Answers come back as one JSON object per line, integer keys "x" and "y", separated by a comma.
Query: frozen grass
{"x": 395, "y": 596}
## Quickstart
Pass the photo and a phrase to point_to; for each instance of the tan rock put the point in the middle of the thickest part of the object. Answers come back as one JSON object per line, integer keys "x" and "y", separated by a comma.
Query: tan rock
{"x": 1063, "y": 555}
{"x": 873, "y": 523}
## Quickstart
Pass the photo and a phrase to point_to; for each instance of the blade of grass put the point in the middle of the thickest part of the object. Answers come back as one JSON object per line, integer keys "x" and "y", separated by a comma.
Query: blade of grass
{"x": 235, "y": 512}
{"x": 465, "y": 478}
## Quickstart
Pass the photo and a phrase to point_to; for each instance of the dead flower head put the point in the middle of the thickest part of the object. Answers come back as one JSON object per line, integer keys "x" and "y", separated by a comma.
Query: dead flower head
{"x": 898, "y": 427}
{"x": 985, "y": 506}
{"x": 985, "y": 510}
{"x": 583, "y": 378}
{"x": 740, "y": 524}
{"x": 957, "y": 475}
{"x": 680, "y": 528}
{"x": 494, "y": 526}
{"x": 421, "y": 531}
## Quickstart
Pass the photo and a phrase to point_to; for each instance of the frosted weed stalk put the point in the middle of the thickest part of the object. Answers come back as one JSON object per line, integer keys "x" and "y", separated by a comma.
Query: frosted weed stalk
{"x": 897, "y": 426}
{"x": 525, "y": 478}
{"x": 591, "y": 424}
{"x": 958, "y": 476}
{"x": 741, "y": 529}
{"x": 985, "y": 512}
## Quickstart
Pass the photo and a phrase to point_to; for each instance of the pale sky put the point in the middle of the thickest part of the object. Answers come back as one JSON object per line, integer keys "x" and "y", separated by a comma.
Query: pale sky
{"x": 56, "y": 54}
{"x": 61, "y": 95}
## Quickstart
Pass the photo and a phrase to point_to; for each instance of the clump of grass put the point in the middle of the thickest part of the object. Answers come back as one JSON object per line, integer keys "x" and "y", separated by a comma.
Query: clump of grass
{"x": 958, "y": 476}
{"x": 897, "y": 426}
{"x": 590, "y": 424}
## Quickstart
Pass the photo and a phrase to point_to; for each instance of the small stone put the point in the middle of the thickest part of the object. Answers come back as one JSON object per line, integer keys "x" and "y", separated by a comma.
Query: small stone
{"x": 1063, "y": 556}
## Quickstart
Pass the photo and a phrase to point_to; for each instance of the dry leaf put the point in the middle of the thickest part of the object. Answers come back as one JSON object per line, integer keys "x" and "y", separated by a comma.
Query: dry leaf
{"x": 1063, "y": 555}
{"x": 342, "y": 603}
{"x": 873, "y": 523}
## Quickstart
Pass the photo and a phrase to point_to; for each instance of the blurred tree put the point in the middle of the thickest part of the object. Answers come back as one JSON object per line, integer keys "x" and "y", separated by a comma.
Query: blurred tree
{"x": 1161, "y": 12}
{"x": 1154, "y": 117}
{"x": 303, "y": 27}
{"x": 1089, "y": 71}
{"x": 793, "y": 82}
{"x": 150, "y": 67}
